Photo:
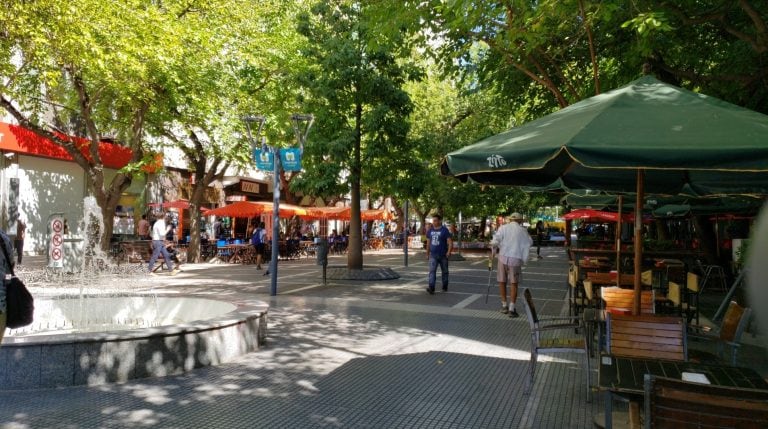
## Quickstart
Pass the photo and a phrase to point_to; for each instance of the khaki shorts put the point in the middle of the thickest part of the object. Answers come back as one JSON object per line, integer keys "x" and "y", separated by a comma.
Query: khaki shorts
{"x": 510, "y": 273}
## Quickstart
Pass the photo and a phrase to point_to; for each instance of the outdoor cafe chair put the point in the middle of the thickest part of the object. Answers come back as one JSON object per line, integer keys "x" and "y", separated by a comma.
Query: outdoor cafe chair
{"x": 222, "y": 250}
{"x": 729, "y": 333}
{"x": 678, "y": 404}
{"x": 553, "y": 335}
{"x": 644, "y": 336}
{"x": 710, "y": 273}
{"x": 576, "y": 292}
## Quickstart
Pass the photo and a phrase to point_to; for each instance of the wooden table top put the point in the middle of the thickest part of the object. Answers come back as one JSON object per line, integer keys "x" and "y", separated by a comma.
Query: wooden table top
{"x": 624, "y": 374}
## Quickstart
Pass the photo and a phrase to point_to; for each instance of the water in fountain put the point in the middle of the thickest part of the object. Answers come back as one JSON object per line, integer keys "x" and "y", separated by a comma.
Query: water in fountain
{"x": 92, "y": 228}
{"x": 99, "y": 277}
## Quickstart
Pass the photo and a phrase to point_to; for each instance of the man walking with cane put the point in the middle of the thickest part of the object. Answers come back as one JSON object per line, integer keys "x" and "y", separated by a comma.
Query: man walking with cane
{"x": 514, "y": 244}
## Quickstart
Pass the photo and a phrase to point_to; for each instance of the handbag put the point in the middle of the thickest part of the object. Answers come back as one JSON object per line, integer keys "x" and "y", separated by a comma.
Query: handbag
{"x": 20, "y": 306}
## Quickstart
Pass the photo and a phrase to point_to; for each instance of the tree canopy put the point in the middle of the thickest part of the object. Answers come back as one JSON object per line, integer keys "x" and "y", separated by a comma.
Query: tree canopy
{"x": 393, "y": 85}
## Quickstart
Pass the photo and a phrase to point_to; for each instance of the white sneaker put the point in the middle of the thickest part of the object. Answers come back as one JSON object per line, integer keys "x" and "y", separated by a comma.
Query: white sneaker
{"x": 175, "y": 271}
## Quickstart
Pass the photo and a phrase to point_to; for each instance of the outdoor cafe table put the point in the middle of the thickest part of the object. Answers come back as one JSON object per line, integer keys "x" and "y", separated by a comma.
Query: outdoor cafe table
{"x": 240, "y": 253}
{"x": 626, "y": 375}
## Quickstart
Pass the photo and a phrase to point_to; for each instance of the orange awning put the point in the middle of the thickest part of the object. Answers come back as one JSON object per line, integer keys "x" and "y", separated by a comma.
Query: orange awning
{"x": 380, "y": 214}
{"x": 344, "y": 213}
{"x": 255, "y": 208}
{"x": 339, "y": 213}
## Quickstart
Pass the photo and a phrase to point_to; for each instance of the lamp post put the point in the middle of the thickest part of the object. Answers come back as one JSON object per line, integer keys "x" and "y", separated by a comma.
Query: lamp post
{"x": 301, "y": 134}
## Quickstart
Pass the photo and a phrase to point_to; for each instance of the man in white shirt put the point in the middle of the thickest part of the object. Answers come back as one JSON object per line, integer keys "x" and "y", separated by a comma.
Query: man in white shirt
{"x": 514, "y": 244}
{"x": 159, "y": 231}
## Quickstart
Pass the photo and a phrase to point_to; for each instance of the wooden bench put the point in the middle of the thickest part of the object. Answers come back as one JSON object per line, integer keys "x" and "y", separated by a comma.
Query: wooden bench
{"x": 647, "y": 336}
{"x": 140, "y": 251}
{"x": 136, "y": 251}
{"x": 617, "y": 299}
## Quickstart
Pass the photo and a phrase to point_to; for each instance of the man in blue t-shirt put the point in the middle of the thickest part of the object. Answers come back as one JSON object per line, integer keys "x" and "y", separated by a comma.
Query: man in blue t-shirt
{"x": 439, "y": 247}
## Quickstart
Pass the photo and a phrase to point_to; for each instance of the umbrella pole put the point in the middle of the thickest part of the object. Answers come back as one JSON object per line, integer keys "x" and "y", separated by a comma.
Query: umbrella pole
{"x": 638, "y": 237}
{"x": 618, "y": 243}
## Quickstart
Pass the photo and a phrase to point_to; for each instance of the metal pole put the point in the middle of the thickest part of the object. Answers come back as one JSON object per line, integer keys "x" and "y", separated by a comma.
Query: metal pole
{"x": 275, "y": 223}
{"x": 406, "y": 228}
{"x": 459, "y": 234}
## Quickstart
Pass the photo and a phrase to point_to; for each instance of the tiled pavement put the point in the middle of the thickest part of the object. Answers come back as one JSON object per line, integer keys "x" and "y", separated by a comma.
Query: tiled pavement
{"x": 350, "y": 354}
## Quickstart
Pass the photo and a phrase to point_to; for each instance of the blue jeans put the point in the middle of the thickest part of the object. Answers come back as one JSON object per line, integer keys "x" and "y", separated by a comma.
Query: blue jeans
{"x": 158, "y": 247}
{"x": 433, "y": 262}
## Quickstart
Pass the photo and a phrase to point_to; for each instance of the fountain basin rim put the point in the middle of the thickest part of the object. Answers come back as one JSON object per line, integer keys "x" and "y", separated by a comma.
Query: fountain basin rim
{"x": 242, "y": 311}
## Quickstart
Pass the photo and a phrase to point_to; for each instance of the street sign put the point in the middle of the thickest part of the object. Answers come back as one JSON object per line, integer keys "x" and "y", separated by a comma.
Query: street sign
{"x": 56, "y": 245}
{"x": 265, "y": 159}
{"x": 290, "y": 159}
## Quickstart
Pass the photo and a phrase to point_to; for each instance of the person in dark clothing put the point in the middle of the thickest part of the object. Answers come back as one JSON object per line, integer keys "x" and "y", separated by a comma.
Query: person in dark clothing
{"x": 439, "y": 247}
{"x": 21, "y": 233}
{"x": 539, "y": 237}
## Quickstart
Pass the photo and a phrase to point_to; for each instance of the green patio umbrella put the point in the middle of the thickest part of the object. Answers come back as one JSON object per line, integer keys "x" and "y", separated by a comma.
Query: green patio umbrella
{"x": 646, "y": 136}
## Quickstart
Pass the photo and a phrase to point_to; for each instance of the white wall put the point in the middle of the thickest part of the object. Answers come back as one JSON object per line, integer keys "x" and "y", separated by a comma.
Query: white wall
{"x": 48, "y": 186}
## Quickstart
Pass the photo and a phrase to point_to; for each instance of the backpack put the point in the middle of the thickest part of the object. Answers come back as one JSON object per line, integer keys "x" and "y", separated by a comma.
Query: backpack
{"x": 20, "y": 306}
{"x": 256, "y": 239}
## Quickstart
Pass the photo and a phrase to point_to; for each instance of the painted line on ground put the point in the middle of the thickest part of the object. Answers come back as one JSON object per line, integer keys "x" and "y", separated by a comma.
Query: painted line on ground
{"x": 469, "y": 300}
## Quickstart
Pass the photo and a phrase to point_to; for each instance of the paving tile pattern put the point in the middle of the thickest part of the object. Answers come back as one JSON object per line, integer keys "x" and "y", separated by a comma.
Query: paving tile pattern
{"x": 351, "y": 355}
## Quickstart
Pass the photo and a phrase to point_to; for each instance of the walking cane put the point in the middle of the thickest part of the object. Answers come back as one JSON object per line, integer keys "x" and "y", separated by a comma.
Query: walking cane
{"x": 490, "y": 270}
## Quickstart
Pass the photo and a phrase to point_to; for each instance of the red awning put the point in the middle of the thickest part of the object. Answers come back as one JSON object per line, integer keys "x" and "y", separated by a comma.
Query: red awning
{"x": 589, "y": 215}
{"x": 14, "y": 138}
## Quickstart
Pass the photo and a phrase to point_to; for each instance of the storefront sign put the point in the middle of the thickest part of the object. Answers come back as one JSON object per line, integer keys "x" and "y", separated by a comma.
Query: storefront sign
{"x": 250, "y": 187}
{"x": 290, "y": 159}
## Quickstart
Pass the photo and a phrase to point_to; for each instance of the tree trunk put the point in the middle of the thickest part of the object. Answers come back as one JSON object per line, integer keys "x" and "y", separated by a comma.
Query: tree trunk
{"x": 285, "y": 187}
{"x": 355, "y": 247}
{"x": 195, "y": 200}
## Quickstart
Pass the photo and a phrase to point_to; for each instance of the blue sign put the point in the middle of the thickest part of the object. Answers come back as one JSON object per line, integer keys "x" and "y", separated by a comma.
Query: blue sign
{"x": 265, "y": 160}
{"x": 290, "y": 159}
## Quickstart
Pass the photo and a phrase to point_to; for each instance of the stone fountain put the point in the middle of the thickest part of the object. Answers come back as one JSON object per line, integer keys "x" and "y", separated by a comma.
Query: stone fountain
{"x": 107, "y": 324}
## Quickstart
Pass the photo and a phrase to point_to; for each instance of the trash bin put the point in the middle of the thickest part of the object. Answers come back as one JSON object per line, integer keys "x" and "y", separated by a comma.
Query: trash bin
{"x": 322, "y": 251}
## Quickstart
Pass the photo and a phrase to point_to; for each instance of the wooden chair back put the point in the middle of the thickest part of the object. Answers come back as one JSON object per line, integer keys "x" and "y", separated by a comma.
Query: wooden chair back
{"x": 588, "y": 289}
{"x": 674, "y": 294}
{"x": 573, "y": 275}
{"x": 692, "y": 282}
{"x": 734, "y": 322}
{"x": 672, "y": 403}
{"x": 617, "y": 299}
{"x": 647, "y": 336}
{"x": 646, "y": 278}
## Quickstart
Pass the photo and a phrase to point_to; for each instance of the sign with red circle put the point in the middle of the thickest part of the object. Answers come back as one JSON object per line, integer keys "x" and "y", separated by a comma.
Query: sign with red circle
{"x": 56, "y": 243}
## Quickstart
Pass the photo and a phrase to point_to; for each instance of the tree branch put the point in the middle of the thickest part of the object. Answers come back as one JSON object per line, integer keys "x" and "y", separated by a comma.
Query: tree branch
{"x": 85, "y": 111}
{"x": 66, "y": 143}
{"x": 593, "y": 56}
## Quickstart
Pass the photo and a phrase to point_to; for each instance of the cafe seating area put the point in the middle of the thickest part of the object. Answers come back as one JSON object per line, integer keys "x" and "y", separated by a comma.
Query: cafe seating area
{"x": 665, "y": 339}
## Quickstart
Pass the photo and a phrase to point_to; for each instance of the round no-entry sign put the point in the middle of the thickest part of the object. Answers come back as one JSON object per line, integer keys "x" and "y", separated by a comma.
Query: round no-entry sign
{"x": 56, "y": 254}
